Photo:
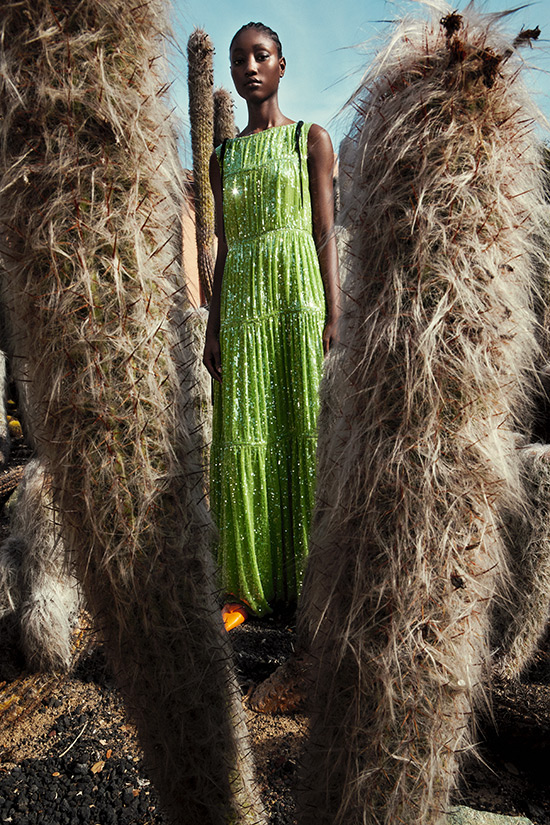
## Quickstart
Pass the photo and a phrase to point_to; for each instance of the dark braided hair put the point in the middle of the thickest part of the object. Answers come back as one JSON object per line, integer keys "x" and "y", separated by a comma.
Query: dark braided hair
{"x": 264, "y": 30}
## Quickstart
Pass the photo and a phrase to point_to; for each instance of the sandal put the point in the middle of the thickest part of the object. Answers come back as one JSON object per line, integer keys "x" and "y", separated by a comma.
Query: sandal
{"x": 233, "y": 615}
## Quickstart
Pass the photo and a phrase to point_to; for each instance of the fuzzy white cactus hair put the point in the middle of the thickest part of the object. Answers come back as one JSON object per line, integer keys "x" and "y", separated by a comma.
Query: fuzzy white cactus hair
{"x": 428, "y": 392}
{"x": 5, "y": 441}
{"x": 522, "y": 615}
{"x": 196, "y": 384}
{"x": 90, "y": 278}
{"x": 38, "y": 586}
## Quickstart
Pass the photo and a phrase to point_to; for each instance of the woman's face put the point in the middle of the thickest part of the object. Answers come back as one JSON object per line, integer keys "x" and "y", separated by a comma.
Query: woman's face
{"x": 256, "y": 68}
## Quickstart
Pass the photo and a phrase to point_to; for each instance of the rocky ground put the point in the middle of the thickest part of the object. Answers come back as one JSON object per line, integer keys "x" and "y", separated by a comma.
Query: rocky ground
{"x": 69, "y": 755}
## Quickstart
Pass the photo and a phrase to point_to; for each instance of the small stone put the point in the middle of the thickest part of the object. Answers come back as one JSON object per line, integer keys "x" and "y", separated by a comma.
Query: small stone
{"x": 127, "y": 796}
{"x": 84, "y": 813}
{"x": 468, "y": 816}
{"x": 22, "y": 803}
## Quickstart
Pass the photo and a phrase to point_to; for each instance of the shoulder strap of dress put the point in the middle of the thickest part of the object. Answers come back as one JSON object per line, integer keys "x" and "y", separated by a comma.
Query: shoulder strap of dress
{"x": 297, "y": 135}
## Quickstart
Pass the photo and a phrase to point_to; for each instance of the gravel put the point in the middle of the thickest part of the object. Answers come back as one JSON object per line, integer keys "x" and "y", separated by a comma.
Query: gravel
{"x": 66, "y": 791}
{"x": 78, "y": 780}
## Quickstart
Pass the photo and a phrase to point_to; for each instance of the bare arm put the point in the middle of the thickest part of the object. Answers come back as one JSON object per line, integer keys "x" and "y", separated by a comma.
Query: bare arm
{"x": 212, "y": 354}
{"x": 321, "y": 168}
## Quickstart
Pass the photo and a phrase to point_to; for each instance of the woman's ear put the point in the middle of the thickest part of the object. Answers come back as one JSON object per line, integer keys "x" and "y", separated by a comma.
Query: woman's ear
{"x": 282, "y": 66}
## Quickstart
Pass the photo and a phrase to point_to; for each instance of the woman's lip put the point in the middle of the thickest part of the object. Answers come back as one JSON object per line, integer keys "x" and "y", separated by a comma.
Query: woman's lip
{"x": 253, "y": 82}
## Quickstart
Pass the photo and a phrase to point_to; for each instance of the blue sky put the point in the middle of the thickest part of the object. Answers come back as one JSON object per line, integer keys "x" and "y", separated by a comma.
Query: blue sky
{"x": 327, "y": 47}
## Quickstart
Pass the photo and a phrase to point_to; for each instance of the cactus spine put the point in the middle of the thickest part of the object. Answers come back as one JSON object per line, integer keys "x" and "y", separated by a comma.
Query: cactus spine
{"x": 200, "y": 53}
{"x": 89, "y": 273}
{"x": 427, "y": 391}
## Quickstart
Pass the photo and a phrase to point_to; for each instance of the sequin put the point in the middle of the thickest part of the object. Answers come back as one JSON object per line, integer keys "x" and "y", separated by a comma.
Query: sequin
{"x": 265, "y": 413}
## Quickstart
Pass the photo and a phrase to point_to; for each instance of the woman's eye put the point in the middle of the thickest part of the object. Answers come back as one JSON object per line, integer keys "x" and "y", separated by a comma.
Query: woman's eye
{"x": 237, "y": 61}
{"x": 262, "y": 56}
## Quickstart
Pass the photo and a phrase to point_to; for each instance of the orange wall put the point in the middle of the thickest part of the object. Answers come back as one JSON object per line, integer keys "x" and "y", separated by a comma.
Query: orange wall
{"x": 190, "y": 255}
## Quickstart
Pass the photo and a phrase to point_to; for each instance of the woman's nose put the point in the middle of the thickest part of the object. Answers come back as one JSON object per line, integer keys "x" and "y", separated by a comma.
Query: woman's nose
{"x": 250, "y": 67}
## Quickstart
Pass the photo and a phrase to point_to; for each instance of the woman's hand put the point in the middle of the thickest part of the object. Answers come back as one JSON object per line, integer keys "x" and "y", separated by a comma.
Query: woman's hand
{"x": 211, "y": 358}
{"x": 330, "y": 335}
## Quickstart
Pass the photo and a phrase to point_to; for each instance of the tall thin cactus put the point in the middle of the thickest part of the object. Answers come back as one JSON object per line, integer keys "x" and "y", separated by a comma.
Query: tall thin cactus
{"x": 426, "y": 397}
{"x": 89, "y": 279}
{"x": 200, "y": 53}
{"x": 224, "y": 116}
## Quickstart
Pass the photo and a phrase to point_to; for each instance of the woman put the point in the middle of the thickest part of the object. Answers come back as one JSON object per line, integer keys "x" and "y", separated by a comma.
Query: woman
{"x": 273, "y": 315}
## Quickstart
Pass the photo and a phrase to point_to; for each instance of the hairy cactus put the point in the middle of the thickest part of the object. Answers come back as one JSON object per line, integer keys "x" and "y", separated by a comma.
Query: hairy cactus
{"x": 224, "y": 118}
{"x": 523, "y": 612}
{"x": 427, "y": 394}
{"x": 36, "y": 583}
{"x": 89, "y": 280}
{"x": 201, "y": 113}
{"x": 5, "y": 443}
{"x": 195, "y": 381}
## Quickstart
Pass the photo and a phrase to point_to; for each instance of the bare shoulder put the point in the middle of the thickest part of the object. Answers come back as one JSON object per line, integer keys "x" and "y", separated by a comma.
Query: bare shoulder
{"x": 319, "y": 144}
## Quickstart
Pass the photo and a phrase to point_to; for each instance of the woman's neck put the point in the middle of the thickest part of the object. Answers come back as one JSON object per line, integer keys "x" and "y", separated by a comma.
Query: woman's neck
{"x": 265, "y": 115}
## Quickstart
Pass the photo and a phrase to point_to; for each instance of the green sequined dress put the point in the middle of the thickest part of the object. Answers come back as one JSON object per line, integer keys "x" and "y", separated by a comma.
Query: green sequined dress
{"x": 265, "y": 412}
